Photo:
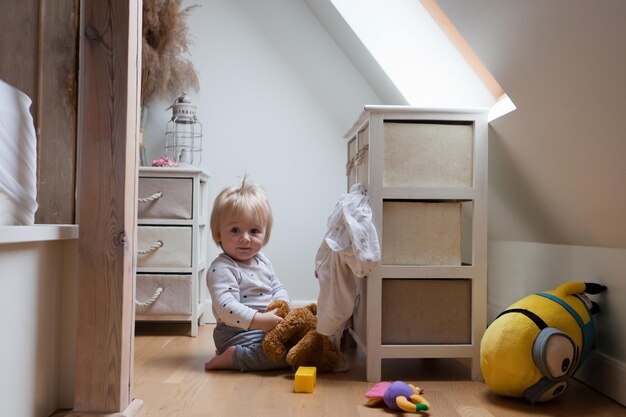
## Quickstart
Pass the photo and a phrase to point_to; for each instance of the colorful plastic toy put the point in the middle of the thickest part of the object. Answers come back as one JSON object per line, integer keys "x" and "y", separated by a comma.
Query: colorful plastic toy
{"x": 536, "y": 345}
{"x": 305, "y": 379}
{"x": 398, "y": 396}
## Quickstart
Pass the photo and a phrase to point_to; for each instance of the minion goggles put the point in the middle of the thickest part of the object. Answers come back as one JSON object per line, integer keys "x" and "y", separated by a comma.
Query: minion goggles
{"x": 555, "y": 354}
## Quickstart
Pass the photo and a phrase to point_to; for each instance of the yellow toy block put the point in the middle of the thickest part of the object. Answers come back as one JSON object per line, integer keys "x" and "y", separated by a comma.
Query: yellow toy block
{"x": 304, "y": 380}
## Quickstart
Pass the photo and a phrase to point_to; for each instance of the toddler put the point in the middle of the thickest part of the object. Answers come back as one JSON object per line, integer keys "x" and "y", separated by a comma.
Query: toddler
{"x": 241, "y": 280}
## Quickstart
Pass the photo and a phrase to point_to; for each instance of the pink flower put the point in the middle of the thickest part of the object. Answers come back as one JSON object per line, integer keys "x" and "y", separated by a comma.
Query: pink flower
{"x": 164, "y": 161}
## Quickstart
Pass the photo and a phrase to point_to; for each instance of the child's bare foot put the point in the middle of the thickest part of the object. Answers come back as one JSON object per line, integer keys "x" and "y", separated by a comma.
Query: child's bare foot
{"x": 221, "y": 361}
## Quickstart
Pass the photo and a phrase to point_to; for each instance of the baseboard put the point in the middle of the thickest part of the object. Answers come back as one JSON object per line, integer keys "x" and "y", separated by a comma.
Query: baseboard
{"x": 604, "y": 374}
{"x": 209, "y": 318}
{"x": 132, "y": 410}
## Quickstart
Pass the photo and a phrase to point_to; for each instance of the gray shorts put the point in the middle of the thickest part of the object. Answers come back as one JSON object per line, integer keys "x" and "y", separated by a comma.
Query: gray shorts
{"x": 249, "y": 355}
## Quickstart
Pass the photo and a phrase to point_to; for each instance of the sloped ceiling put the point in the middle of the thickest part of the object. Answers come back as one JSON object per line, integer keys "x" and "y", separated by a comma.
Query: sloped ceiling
{"x": 411, "y": 53}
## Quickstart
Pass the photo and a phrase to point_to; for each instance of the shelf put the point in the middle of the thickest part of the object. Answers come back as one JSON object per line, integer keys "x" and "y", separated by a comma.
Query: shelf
{"x": 427, "y": 351}
{"x": 428, "y": 271}
{"x": 37, "y": 233}
{"x": 174, "y": 172}
{"x": 170, "y": 317}
{"x": 166, "y": 222}
{"x": 165, "y": 270}
{"x": 417, "y": 194}
{"x": 400, "y": 111}
{"x": 441, "y": 111}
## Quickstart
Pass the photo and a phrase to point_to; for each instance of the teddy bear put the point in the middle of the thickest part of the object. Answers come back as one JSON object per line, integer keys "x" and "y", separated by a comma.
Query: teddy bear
{"x": 296, "y": 339}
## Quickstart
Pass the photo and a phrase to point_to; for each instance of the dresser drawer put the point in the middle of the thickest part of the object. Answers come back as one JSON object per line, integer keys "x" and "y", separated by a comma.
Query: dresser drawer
{"x": 164, "y": 246}
{"x": 421, "y": 233}
{"x": 428, "y": 154}
{"x": 426, "y": 311}
{"x": 165, "y": 198}
{"x": 174, "y": 296}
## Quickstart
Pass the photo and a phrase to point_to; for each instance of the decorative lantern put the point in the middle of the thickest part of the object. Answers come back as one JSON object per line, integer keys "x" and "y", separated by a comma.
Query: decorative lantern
{"x": 183, "y": 133}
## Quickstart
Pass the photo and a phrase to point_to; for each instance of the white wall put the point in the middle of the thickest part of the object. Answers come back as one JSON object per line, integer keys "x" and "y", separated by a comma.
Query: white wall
{"x": 557, "y": 163}
{"x": 37, "y": 327}
{"x": 276, "y": 96}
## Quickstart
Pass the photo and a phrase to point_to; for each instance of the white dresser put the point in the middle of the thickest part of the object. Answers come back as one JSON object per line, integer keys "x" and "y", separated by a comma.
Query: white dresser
{"x": 172, "y": 239}
{"x": 425, "y": 172}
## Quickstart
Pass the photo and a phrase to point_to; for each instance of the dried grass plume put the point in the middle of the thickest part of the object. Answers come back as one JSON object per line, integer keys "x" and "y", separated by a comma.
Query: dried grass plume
{"x": 165, "y": 70}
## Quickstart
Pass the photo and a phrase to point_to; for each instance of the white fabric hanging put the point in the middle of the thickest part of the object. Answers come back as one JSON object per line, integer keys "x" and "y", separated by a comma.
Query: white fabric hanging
{"x": 18, "y": 170}
{"x": 350, "y": 248}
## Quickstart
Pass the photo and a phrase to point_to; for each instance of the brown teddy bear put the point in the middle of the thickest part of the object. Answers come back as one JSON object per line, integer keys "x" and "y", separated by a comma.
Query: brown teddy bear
{"x": 296, "y": 339}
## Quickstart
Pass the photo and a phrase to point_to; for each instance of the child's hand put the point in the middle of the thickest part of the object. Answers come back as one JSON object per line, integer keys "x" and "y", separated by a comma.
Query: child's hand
{"x": 265, "y": 321}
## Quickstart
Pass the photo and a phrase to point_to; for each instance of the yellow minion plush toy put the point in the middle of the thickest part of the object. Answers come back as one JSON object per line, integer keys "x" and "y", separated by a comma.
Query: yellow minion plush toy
{"x": 536, "y": 345}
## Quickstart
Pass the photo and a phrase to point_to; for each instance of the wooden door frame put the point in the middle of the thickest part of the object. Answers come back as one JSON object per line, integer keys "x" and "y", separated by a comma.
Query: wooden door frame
{"x": 108, "y": 132}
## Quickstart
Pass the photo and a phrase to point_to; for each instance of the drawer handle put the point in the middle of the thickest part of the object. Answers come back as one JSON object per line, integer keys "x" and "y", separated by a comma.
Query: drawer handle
{"x": 357, "y": 159}
{"x": 152, "y": 248}
{"x": 361, "y": 154}
{"x": 153, "y": 197}
{"x": 150, "y": 300}
{"x": 349, "y": 167}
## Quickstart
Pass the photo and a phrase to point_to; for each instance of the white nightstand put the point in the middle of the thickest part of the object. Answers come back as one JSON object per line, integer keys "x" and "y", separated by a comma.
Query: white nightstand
{"x": 425, "y": 172}
{"x": 172, "y": 238}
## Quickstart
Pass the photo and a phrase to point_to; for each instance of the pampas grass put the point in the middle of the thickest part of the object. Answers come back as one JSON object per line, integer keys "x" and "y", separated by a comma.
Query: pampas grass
{"x": 166, "y": 72}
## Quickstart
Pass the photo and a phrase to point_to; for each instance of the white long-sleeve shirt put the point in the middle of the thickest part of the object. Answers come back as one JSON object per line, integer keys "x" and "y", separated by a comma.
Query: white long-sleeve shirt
{"x": 238, "y": 291}
{"x": 350, "y": 248}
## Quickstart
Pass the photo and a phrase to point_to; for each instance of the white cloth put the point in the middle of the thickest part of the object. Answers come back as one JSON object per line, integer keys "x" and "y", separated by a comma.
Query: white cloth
{"x": 18, "y": 170}
{"x": 350, "y": 248}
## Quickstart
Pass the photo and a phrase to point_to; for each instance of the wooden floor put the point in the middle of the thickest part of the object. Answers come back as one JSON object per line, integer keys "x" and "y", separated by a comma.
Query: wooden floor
{"x": 169, "y": 377}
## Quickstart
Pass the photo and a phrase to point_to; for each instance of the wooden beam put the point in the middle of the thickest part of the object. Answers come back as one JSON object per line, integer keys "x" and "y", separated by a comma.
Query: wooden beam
{"x": 108, "y": 131}
{"x": 56, "y": 111}
{"x": 18, "y": 43}
{"x": 463, "y": 47}
{"x": 40, "y": 48}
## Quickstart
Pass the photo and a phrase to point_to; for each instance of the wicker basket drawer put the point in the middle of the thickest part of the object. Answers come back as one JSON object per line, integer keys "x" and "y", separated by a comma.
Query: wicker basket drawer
{"x": 428, "y": 154}
{"x": 163, "y": 294}
{"x": 426, "y": 311}
{"x": 418, "y": 233}
{"x": 165, "y": 198}
{"x": 164, "y": 246}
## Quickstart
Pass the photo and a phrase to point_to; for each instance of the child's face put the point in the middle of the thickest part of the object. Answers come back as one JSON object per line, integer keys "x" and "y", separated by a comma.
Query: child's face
{"x": 242, "y": 238}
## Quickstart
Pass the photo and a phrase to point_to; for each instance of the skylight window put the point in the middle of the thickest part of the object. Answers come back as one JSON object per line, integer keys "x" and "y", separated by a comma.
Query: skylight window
{"x": 423, "y": 55}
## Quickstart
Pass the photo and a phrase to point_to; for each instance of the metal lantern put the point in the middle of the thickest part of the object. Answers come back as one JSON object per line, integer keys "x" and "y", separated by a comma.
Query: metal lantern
{"x": 183, "y": 133}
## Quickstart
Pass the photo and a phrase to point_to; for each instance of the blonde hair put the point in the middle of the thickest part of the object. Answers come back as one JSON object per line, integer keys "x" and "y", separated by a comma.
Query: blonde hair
{"x": 247, "y": 199}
